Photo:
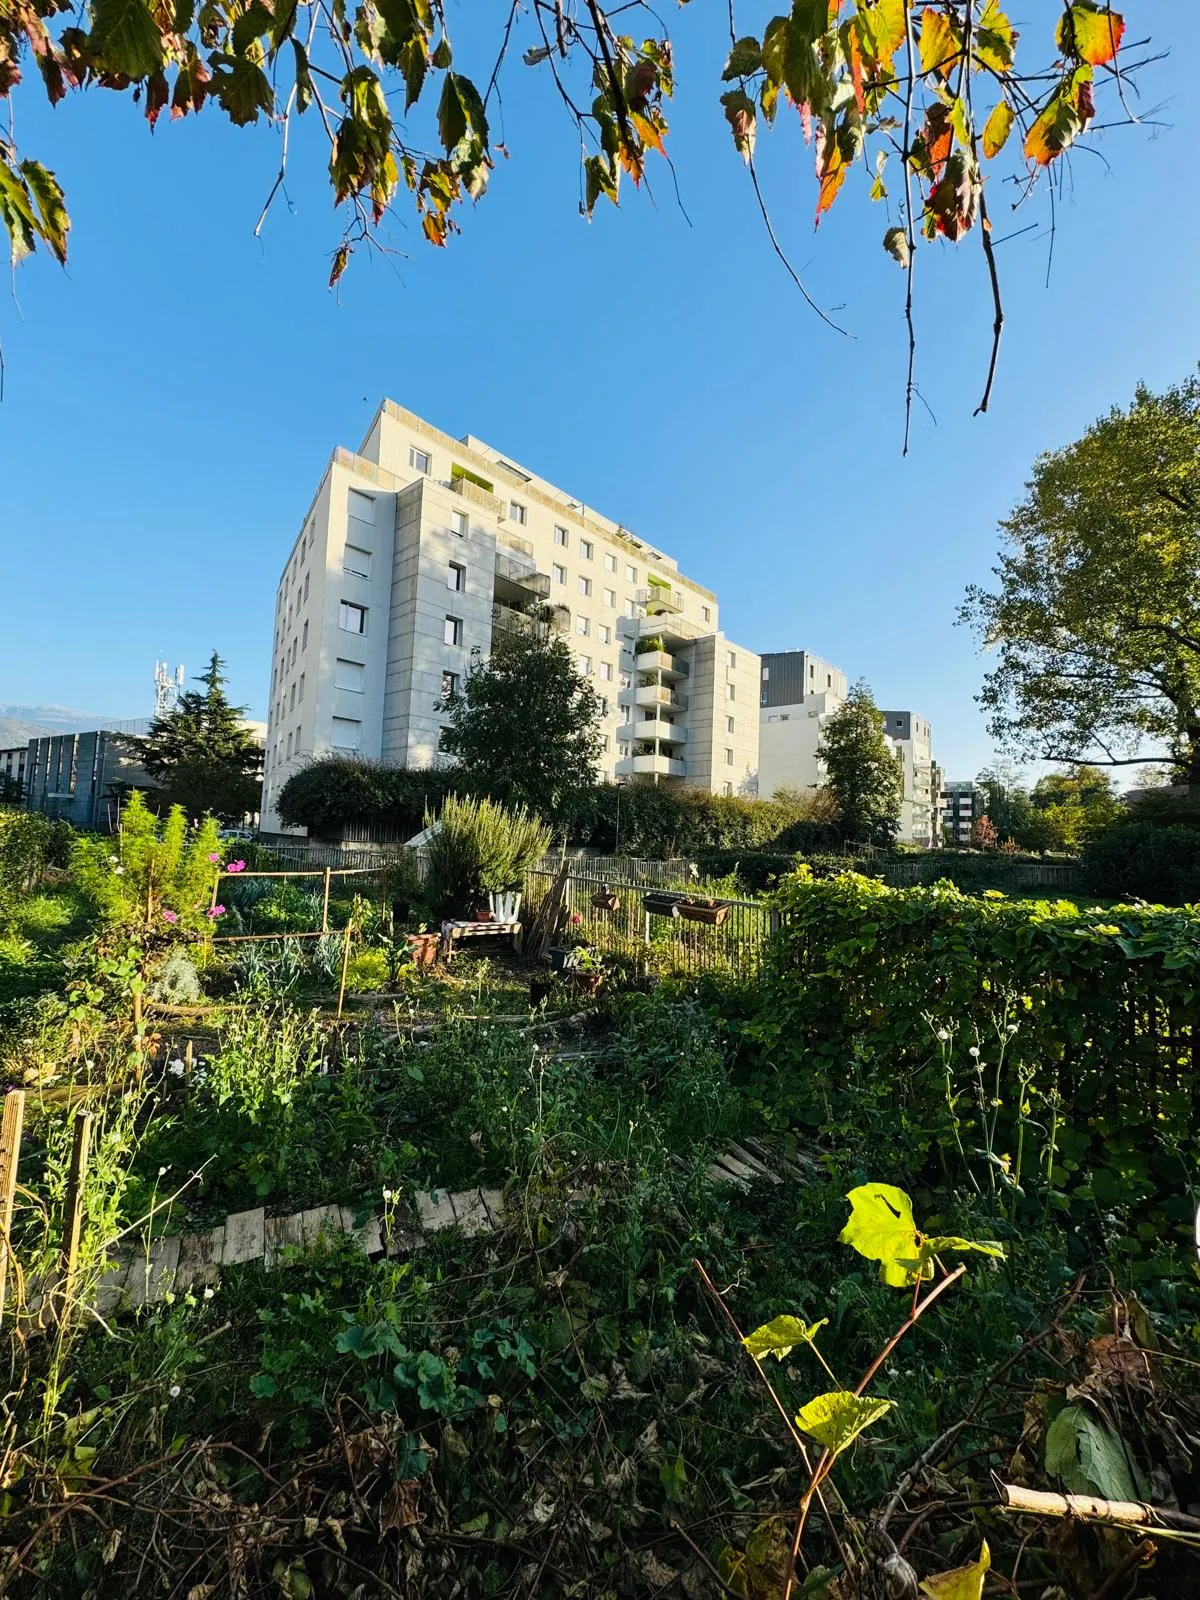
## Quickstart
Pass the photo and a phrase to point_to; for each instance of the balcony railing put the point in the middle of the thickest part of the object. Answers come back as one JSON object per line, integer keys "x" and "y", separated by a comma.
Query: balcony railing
{"x": 648, "y": 730}
{"x": 659, "y": 599}
{"x": 653, "y": 694}
{"x": 656, "y": 766}
{"x": 556, "y": 617}
{"x": 519, "y": 573}
{"x": 477, "y": 496}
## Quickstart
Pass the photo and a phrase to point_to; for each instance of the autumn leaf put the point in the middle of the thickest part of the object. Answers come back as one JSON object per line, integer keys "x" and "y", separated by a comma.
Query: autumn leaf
{"x": 647, "y": 129}
{"x": 341, "y": 260}
{"x": 125, "y": 39}
{"x": 52, "y": 223}
{"x": 995, "y": 39}
{"x": 1091, "y": 32}
{"x": 940, "y": 48}
{"x": 895, "y": 242}
{"x": 739, "y": 113}
{"x": 1053, "y": 131}
{"x": 963, "y": 1583}
{"x": 882, "y": 25}
{"x": 16, "y": 213}
{"x": 997, "y": 129}
{"x": 744, "y": 58}
{"x": 831, "y": 169}
{"x": 241, "y": 88}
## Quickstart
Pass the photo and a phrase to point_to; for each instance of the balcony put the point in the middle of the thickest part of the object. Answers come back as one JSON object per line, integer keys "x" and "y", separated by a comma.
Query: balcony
{"x": 662, "y": 662}
{"x": 510, "y": 617}
{"x": 649, "y": 729}
{"x": 655, "y": 694}
{"x": 477, "y": 496}
{"x": 675, "y": 632}
{"x": 657, "y": 766}
{"x": 518, "y": 579}
{"x": 660, "y": 599}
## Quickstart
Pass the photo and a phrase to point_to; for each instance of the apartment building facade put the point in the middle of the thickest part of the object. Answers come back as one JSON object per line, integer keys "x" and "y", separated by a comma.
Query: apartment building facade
{"x": 418, "y": 547}
{"x": 911, "y": 739}
{"x": 798, "y": 693}
{"x": 961, "y": 804}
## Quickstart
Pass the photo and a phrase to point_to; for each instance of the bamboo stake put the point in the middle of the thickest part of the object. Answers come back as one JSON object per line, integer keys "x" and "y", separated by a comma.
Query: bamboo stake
{"x": 345, "y": 964}
{"x": 73, "y": 1216}
{"x": 325, "y": 904}
{"x": 1090, "y": 1508}
{"x": 10, "y": 1150}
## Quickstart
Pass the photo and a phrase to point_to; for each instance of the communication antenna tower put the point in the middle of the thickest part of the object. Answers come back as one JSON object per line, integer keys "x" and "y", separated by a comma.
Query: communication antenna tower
{"x": 168, "y": 687}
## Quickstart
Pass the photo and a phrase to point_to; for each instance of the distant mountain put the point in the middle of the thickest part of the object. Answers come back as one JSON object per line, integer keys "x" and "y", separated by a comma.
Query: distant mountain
{"x": 19, "y": 724}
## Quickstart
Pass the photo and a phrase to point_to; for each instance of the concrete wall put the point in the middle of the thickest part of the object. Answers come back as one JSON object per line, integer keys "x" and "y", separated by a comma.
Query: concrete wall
{"x": 718, "y": 666}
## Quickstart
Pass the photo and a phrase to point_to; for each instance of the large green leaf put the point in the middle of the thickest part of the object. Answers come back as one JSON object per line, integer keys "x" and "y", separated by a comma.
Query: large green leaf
{"x": 780, "y": 1336}
{"x": 836, "y": 1419}
{"x": 16, "y": 212}
{"x": 53, "y": 221}
{"x": 125, "y": 38}
{"x": 241, "y": 87}
{"x": 963, "y": 1583}
{"x": 881, "y": 1227}
{"x": 1087, "y": 1457}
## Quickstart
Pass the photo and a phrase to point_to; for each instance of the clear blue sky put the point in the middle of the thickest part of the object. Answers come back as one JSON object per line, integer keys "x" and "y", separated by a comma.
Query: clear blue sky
{"x": 172, "y": 396}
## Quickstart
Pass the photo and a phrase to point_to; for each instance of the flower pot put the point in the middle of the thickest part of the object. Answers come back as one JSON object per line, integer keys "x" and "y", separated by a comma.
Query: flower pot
{"x": 586, "y": 982}
{"x": 714, "y": 916}
{"x": 506, "y": 907}
{"x": 423, "y": 947}
{"x": 661, "y": 905}
{"x": 606, "y": 902}
{"x": 481, "y": 914}
{"x": 561, "y": 957}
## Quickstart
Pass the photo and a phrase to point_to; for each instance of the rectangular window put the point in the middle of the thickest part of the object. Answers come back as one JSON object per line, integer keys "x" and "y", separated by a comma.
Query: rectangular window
{"x": 728, "y": 724}
{"x": 357, "y": 561}
{"x": 610, "y": 561}
{"x": 300, "y": 690}
{"x": 349, "y": 675}
{"x": 453, "y": 632}
{"x": 306, "y": 578}
{"x": 289, "y": 745}
{"x": 630, "y": 574}
{"x": 441, "y": 740}
{"x": 361, "y": 506}
{"x": 304, "y": 636}
{"x": 766, "y": 673}
{"x": 610, "y": 597}
{"x": 606, "y": 671}
{"x": 352, "y": 618}
{"x": 586, "y": 549}
{"x": 729, "y": 788}
{"x": 583, "y": 627}
{"x": 733, "y": 658}
{"x": 560, "y": 573}
{"x": 419, "y": 459}
{"x": 460, "y": 523}
{"x": 626, "y": 680}
{"x": 295, "y": 647}
{"x": 347, "y": 733}
{"x": 706, "y": 613}
{"x": 605, "y": 633}
{"x": 603, "y": 705}
{"x": 456, "y": 577}
{"x": 623, "y": 750}
{"x": 449, "y": 684}
{"x": 729, "y": 692}
{"x": 728, "y": 758}
{"x": 584, "y": 666}
{"x": 292, "y": 701}
{"x": 561, "y": 536}
{"x": 518, "y": 512}
{"x": 585, "y": 586}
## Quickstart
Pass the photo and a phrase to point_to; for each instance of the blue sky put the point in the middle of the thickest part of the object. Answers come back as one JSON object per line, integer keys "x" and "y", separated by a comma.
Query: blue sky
{"x": 170, "y": 398}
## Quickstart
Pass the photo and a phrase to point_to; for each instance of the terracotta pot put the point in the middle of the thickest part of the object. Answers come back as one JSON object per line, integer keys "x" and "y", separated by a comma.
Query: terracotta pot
{"x": 424, "y": 947}
{"x": 714, "y": 916}
{"x": 586, "y": 982}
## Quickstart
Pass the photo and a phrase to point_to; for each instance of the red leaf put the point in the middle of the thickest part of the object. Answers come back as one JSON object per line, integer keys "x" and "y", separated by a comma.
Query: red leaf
{"x": 156, "y": 95}
{"x": 939, "y": 136}
{"x": 832, "y": 167}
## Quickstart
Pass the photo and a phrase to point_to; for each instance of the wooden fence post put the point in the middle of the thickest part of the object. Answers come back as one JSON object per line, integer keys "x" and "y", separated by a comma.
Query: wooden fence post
{"x": 325, "y": 903}
{"x": 345, "y": 964}
{"x": 73, "y": 1216}
{"x": 10, "y": 1151}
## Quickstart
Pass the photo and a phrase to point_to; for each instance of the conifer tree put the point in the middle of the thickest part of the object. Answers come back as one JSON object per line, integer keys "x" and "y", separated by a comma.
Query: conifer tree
{"x": 202, "y": 753}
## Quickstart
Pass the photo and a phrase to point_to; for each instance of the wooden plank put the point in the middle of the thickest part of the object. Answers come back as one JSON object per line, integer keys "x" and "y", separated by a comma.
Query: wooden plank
{"x": 278, "y": 1234}
{"x": 10, "y": 1154}
{"x": 435, "y": 1210}
{"x": 244, "y": 1237}
{"x": 493, "y": 1202}
{"x": 367, "y": 1235}
{"x": 319, "y": 1222}
{"x": 111, "y": 1288}
{"x": 470, "y": 1212}
{"x": 753, "y": 1162}
{"x": 200, "y": 1254}
{"x": 152, "y": 1274}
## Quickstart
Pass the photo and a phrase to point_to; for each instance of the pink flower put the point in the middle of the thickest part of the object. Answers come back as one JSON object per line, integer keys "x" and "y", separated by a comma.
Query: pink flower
{"x": 236, "y": 866}
{"x": 216, "y": 911}
{"x": 171, "y": 916}
{"x": 214, "y": 856}
{"x": 576, "y": 917}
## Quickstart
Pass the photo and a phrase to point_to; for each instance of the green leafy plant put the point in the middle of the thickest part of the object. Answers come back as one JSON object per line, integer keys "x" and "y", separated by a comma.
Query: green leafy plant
{"x": 477, "y": 849}
{"x": 156, "y": 874}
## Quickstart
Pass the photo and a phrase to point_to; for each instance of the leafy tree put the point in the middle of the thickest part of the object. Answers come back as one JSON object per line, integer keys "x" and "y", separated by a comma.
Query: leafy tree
{"x": 983, "y": 833}
{"x": 1075, "y": 806}
{"x": 1096, "y": 616}
{"x": 935, "y": 87}
{"x": 202, "y": 753}
{"x": 862, "y": 773}
{"x": 524, "y": 727}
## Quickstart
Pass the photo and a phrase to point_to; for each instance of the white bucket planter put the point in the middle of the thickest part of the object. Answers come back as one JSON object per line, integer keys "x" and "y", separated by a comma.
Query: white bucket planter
{"x": 505, "y": 907}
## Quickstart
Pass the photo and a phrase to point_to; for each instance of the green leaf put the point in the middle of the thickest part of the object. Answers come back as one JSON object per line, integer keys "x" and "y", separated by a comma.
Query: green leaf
{"x": 744, "y": 58}
{"x": 997, "y": 129}
{"x": 673, "y": 1477}
{"x": 740, "y": 114}
{"x": 54, "y": 223}
{"x": 125, "y": 38}
{"x": 935, "y": 1244}
{"x": 881, "y": 1227}
{"x": 304, "y": 83}
{"x": 241, "y": 87}
{"x": 263, "y": 1386}
{"x": 995, "y": 39}
{"x": 836, "y": 1419}
{"x": 460, "y": 111}
{"x": 599, "y": 179}
{"x": 1087, "y": 1457}
{"x": 780, "y": 1336}
{"x": 16, "y": 212}
{"x": 963, "y": 1583}
{"x": 895, "y": 242}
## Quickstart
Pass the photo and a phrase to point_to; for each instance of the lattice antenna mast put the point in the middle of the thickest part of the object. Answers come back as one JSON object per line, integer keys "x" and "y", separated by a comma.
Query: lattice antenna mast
{"x": 168, "y": 687}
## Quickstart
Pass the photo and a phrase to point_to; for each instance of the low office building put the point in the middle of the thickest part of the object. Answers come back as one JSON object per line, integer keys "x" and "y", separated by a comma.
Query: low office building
{"x": 12, "y": 772}
{"x": 82, "y": 778}
{"x": 416, "y": 549}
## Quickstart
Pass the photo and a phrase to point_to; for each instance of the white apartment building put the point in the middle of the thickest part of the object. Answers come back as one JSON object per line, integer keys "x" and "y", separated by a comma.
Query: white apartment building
{"x": 920, "y": 812}
{"x": 420, "y": 545}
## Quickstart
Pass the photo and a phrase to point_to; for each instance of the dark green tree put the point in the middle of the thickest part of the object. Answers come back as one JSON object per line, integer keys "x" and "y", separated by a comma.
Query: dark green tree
{"x": 202, "y": 754}
{"x": 524, "y": 729}
{"x": 862, "y": 773}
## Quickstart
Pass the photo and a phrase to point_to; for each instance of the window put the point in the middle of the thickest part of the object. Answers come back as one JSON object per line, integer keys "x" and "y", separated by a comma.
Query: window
{"x": 453, "y": 632}
{"x": 456, "y": 577}
{"x": 610, "y": 561}
{"x": 347, "y": 731}
{"x": 610, "y": 597}
{"x": 449, "y": 684}
{"x": 419, "y": 459}
{"x": 583, "y": 626}
{"x": 295, "y": 647}
{"x": 606, "y": 671}
{"x": 583, "y": 665}
{"x": 766, "y": 673}
{"x": 300, "y": 690}
{"x": 560, "y": 573}
{"x": 729, "y": 692}
{"x": 518, "y": 512}
{"x": 605, "y": 633}
{"x": 441, "y": 739}
{"x": 630, "y": 574}
{"x": 829, "y": 680}
{"x": 623, "y": 751}
{"x": 729, "y": 788}
{"x": 586, "y": 549}
{"x": 361, "y": 506}
{"x": 292, "y": 701}
{"x": 352, "y": 618}
{"x": 289, "y": 745}
{"x": 349, "y": 675}
{"x": 706, "y": 613}
{"x": 603, "y": 705}
{"x": 460, "y": 523}
{"x": 357, "y": 561}
{"x": 585, "y": 586}
{"x": 561, "y": 536}
{"x": 728, "y": 757}
{"x": 626, "y": 681}
{"x": 304, "y": 636}
{"x": 728, "y": 724}
{"x": 306, "y": 577}
{"x": 733, "y": 658}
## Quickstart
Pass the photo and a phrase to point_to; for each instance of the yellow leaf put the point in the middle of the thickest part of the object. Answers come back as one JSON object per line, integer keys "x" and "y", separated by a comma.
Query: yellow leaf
{"x": 1053, "y": 131}
{"x": 997, "y": 129}
{"x": 882, "y": 25}
{"x": 964, "y": 1583}
{"x": 836, "y": 1419}
{"x": 1095, "y": 32}
{"x": 995, "y": 39}
{"x": 939, "y": 43}
{"x": 881, "y": 1227}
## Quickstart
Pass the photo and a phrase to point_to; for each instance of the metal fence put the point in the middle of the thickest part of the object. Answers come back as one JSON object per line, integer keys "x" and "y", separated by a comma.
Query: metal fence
{"x": 676, "y": 873}
{"x": 653, "y": 942}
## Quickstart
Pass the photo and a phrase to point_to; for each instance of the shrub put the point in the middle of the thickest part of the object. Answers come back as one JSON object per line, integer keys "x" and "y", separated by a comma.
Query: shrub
{"x": 152, "y": 870}
{"x": 338, "y": 792}
{"x": 29, "y": 844}
{"x": 1143, "y": 859}
{"x": 479, "y": 849}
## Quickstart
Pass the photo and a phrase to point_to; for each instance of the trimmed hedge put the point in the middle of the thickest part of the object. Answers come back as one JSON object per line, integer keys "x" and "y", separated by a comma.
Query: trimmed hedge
{"x": 1146, "y": 860}
{"x": 875, "y": 998}
{"x": 339, "y": 793}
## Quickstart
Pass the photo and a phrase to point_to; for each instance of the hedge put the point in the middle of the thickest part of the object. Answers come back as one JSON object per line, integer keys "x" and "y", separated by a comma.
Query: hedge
{"x": 1147, "y": 860}
{"x": 874, "y": 999}
{"x": 336, "y": 794}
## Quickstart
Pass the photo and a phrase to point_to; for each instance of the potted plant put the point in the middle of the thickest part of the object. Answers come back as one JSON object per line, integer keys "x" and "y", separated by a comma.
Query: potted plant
{"x": 696, "y": 909}
{"x": 605, "y": 900}
{"x": 423, "y": 947}
{"x": 661, "y": 903}
{"x": 505, "y": 905}
{"x": 586, "y": 972}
